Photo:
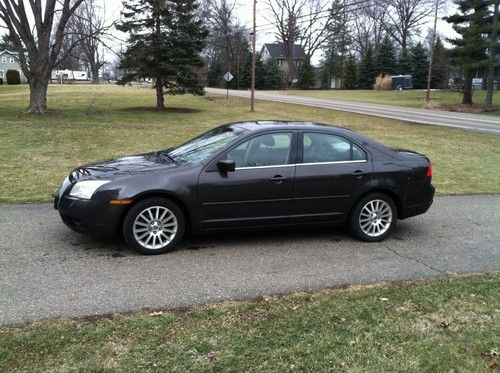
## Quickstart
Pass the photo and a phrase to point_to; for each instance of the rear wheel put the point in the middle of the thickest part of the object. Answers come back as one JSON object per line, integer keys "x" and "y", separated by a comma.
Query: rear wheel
{"x": 154, "y": 226}
{"x": 374, "y": 217}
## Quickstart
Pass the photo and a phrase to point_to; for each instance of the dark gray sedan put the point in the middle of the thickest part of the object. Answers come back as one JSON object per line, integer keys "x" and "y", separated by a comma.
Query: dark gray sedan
{"x": 248, "y": 175}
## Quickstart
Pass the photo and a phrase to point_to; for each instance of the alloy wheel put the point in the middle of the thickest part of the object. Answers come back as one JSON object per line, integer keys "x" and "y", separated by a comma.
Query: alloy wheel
{"x": 375, "y": 218}
{"x": 155, "y": 227}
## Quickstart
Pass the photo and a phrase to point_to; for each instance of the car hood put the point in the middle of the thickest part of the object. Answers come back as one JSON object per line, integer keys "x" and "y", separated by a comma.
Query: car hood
{"x": 122, "y": 167}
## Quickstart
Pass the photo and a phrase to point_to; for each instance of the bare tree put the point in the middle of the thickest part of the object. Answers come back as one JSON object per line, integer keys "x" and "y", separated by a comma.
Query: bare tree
{"x": 285, "y": 17}
{"x": 227, "y": 36}
{"x": 403, "y": 17}
{"x": 315, "y": 26}
{"x": 88, "y": 24}
{"x": 339, "y": 39}
{"x": 367, "y": 28}
{"x": 38, "y": 43}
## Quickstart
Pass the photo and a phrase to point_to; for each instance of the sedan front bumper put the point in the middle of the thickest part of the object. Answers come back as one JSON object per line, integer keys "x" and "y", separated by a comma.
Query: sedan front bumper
{"x": 90, "y": 216}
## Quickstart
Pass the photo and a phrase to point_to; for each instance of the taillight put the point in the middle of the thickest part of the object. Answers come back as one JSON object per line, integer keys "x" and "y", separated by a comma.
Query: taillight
{"x": 429, "y": 170}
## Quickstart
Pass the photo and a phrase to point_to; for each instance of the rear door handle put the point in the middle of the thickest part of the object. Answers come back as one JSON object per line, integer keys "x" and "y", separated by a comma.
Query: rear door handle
{"x": 359, "y": 174}
{"x": 278, "y": 179}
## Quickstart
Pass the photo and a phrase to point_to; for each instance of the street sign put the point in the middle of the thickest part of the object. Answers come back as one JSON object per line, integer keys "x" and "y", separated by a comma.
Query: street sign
{"x": 228, "y": 76}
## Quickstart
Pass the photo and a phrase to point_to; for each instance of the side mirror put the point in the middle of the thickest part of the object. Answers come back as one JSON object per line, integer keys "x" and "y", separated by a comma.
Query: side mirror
{"x": 226, "y": 165}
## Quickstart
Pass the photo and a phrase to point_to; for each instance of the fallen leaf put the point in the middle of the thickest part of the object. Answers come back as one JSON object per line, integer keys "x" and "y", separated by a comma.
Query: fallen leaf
{"x": 156, "y": 313}
{"x": 493, "y": 352}
{"x": 444, "y": 324}
{"x": 383, "y": 299}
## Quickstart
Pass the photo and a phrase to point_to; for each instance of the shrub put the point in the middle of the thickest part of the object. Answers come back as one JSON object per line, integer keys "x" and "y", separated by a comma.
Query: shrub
{"x": 1, "y": 81}
{"x": 383, "y": 82}
{"x": 13, "y": 77}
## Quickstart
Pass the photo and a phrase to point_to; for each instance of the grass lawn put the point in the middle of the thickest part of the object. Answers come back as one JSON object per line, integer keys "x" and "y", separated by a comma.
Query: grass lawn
{"x": 431, "y": 326}
{"x": 91, "y": 123}
{"x": 441, "y": 99}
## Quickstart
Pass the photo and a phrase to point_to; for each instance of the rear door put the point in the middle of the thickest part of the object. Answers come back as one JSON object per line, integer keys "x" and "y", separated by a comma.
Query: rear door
{"x": 258, "y": 192}
{"x": 331, "y": 172}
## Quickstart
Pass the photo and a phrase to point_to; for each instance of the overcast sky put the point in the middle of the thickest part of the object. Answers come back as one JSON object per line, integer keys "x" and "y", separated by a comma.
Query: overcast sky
{"x": 244, "y": 13}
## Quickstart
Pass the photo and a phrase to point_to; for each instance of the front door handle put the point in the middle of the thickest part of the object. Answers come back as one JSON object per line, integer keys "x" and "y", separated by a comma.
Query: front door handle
{"x": 278, "y": 179}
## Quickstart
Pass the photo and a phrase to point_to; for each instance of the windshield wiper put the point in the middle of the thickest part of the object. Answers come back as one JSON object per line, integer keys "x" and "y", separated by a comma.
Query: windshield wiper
{"x": 169, "y": 157}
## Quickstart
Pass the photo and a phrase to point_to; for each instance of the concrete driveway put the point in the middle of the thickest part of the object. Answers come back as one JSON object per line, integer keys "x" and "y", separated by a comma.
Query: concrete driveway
{"x": 48, "y": 271}
{"x": 470, "y": 122}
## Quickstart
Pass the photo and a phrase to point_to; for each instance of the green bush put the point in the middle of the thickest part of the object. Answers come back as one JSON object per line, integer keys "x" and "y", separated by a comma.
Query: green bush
{"x": 13, "y": 77}
{"x": 1, "y": 81}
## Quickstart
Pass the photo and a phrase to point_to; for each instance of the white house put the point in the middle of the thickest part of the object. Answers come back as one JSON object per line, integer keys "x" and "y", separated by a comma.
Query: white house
{"x": 10, "y": 61}
{"x": 69, "y": 75}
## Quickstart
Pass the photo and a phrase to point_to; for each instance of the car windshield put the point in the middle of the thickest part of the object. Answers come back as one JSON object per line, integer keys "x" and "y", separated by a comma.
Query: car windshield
{"x": 203, "y": 146}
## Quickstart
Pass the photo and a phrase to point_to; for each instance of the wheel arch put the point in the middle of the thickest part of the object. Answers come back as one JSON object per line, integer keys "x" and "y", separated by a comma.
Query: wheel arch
{"x": 389, "y": 193}
{"x": 160, "y": 194}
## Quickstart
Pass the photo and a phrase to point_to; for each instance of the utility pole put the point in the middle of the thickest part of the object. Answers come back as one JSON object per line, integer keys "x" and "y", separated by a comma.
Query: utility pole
{"x": 491, "y": 67}
{"x": 431, "y": 54}
{"x": 252, "y": 97}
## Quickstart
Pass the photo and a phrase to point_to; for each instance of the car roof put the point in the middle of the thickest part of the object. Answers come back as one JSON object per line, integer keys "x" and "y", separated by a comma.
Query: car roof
{"x": 262, "y": 125}
{"x": 259, "y": 125}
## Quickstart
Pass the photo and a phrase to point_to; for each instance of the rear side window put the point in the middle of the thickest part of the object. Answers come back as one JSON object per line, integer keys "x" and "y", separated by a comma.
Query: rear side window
{"x": 320, "y": 147}
{"x": 357, "y": 153}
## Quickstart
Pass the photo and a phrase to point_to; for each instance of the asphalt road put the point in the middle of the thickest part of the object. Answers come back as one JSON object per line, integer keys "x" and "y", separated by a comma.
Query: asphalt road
{"x": 48, "y": 271}
{"x": 465, "y": 121}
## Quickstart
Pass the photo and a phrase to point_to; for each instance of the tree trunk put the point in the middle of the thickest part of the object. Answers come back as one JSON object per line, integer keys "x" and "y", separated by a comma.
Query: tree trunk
{"x": 491, "y": 67}
{"x": 94, "y": 72}
{"x": 38, "y": 97}
{"x": 467, "y": 98}
{"x": 160, "y": 99}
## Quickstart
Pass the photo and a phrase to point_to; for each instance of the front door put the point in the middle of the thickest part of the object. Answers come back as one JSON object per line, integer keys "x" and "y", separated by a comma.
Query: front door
{"x": 332, "y": 172}
{"x": 258, "y": 192}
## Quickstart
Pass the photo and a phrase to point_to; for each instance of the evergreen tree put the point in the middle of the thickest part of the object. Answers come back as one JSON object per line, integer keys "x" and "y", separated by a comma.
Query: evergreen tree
{"x": 7, "y": 44}
{"x": 306, "y": 75}
{"x": 386, "y": 57}
{"x": 350, "y": 76}
{"x": 215, "y": 74}
{"x": 420, "y": 66}
{"x": 325, "y": 78}
{"x": 368, "y": 71}
{"x": 404, "y": 63}
{"x": 166, "y": 40}
{"x": 273, "y": 75}
{"x": 440, "y": 65}
{"x": 246, "y": 77}
{"x": 469, "y": 50}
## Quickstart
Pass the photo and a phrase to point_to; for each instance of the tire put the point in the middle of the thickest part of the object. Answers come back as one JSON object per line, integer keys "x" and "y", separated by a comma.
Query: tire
{"x": 154, "y": 226}
{"x": 367, "y": 227}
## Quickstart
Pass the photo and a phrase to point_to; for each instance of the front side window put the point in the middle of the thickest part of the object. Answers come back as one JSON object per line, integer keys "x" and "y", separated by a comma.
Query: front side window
{"x": 11, "y": 60}
{"x": 271, "y": 149}
{"x": 320, "y": 147}
{"x": 205, "y": 145}
{"x": 4, "y": 59}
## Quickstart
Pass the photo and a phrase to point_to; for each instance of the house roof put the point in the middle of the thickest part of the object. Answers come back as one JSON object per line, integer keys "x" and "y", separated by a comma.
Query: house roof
{"x": 277, "y": 50}
{"x": 8, "y": 52}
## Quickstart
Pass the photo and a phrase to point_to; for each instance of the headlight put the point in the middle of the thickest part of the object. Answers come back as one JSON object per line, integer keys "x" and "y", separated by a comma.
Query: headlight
{"x": 85, "y": 189}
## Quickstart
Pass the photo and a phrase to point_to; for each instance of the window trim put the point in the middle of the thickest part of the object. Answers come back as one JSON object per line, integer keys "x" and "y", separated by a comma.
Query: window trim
{"x": 271, "y": 166}
{"x": 301, "y": 164}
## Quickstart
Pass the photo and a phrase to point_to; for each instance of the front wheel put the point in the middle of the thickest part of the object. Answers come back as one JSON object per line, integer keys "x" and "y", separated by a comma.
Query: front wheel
{"x": 154, "y": 226}
{"x": 374, "y": 217}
